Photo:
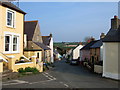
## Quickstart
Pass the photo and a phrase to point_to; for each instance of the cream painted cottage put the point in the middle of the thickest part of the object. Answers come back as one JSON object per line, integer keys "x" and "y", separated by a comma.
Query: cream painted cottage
{"x": 11, "y": 33}
{"x": 111, "y": 51}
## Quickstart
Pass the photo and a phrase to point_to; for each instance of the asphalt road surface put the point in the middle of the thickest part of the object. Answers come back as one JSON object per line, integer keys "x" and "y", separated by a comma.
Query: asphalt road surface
{"x": 62, "y": 75}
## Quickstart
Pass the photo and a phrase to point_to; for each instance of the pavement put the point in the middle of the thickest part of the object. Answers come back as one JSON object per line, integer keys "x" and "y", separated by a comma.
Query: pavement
{"x": 62, "y": 75}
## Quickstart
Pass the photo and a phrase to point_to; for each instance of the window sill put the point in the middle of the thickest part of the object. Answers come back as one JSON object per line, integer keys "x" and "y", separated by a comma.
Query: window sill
{"x": 11, "y": 52}
{"x": 10, "y": 27}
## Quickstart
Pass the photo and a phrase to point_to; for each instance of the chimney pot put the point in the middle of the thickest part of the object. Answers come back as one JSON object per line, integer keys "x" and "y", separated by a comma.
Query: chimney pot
{"x": 102, "y": 35}
{"x": 80, "y": 43}
{"x": 115, "y": 16}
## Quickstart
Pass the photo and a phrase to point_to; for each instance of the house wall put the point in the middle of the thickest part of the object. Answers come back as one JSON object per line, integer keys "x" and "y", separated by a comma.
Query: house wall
{"x": 23, "y": 65}
{"x": 19, "y": 17}
{"x": 76, "y": 52}
{"x": 0, "y": 27}
{"x": 39, "y": 65}
{"x": 101, "y": 53}
{"x": 51, "y": 47}
{"x": 1, "y": 66}
{"x": 95, "y": 52}
{"x": 25, "y": 40}
{"x": 85, "y": 54}
{"x": 110, "y": 60}
{"x": 48, "y": 56}
{"x": 29, "y": 54}
{"x": 37, "y": 35}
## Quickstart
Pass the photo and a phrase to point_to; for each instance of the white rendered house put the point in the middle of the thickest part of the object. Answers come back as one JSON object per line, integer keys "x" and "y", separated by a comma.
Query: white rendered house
{"x": 76, "y": 52}
{"x": 111, "y": 48}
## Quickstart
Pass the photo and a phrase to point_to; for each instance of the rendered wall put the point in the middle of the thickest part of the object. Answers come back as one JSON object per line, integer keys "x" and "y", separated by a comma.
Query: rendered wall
{"x": 110, "y": 60}
{"x": 17, "y": 30}
{"x": 76, "y": 52}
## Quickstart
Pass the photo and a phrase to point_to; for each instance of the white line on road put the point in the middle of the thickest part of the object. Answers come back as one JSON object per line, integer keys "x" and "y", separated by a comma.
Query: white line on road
{"x": 66, "y": 85}
{"x": 50, "y": 76}
{"x": 61, "y": 82}
{"x": 47, "y": 75}
{"x": 40, "y": 81}
{"x": 12, "y": 82}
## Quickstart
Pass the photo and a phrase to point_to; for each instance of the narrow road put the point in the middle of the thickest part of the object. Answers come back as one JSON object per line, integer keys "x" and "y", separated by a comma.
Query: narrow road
{"x": 63, "y": 75}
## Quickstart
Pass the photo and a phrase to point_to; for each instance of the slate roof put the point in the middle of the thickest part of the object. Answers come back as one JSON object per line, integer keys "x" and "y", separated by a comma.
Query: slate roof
{"x": 112, "y": 36}
{"x": 46, "y": 40}
{"x": 29, "y": 28}
{"x": 11, "y": 6}
{"x": 87, "y": 46}
{"x": 42, "y": 46}
{"x": 98, "y": 44}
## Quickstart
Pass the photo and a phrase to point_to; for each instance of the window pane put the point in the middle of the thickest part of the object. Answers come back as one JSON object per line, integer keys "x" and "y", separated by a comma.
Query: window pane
{"x": 15, "y": 40}
{"x": 37, "y": 55}
{"x": 14, "y": 47}
{"x": 9, "y": 18}
{"x": 10, "y": 15}
{"x": 15, "y": 43}
{"x": 7, "y": 43}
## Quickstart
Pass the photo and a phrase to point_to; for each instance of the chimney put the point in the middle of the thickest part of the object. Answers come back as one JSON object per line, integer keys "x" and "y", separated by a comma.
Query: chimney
{"x": 92, "y": 39}
{"x": 102, "y": 35}
{"x": 115, "y": 22}
{"x": 50, "y": 35}
{"x": 80, "y": 43}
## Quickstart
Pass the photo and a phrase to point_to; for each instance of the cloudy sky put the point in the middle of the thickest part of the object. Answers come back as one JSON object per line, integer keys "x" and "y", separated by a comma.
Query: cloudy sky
{"x": 71, "y": 21}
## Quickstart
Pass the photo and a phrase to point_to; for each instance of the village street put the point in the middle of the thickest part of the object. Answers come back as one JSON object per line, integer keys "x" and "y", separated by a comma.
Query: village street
{"x": 62, "y": 75}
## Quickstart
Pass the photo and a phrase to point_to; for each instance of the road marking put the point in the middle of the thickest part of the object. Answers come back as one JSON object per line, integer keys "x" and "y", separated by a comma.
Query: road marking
{"x": 41, "y": 81}
{"x": 61, "y": 82}
{"x": 49, "y": 76}
{"x": 12, "y": 82}
{"x": 66, "y": 85}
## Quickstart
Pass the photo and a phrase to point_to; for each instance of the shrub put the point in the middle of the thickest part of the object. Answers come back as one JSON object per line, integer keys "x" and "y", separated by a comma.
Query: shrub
{"x": 21, "y": 70}
{"x": 35, "y": 70}
{"x": 28, "y": 69}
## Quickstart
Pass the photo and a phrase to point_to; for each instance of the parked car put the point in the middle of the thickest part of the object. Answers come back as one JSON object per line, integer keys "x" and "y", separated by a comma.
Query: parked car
{"x": 74, "y": 62}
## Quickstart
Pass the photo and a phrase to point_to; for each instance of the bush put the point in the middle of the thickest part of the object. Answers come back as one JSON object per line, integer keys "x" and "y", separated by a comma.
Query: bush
{"x": 35, "y": 70}
{"x": 21, "y": 70}
{"x": 28, "y": 69}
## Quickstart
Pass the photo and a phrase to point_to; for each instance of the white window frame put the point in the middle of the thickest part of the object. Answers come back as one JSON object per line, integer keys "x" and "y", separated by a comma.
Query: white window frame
{"x": 11, "y": 42}
{"x": 13, "y": 18}
{"x": 17, "y": 42}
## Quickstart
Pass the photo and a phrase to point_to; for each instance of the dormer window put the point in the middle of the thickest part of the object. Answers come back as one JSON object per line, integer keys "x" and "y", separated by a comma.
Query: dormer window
{"x": 10, "y": 18}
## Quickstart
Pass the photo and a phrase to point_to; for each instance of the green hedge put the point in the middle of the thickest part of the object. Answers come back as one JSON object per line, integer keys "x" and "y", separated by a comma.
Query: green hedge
{"x": 28, "y": 69}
